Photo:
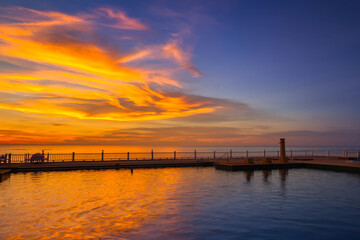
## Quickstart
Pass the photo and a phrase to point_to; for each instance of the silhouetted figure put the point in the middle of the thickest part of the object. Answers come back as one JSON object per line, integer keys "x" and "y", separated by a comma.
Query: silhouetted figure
{"x": 37, "y": 158}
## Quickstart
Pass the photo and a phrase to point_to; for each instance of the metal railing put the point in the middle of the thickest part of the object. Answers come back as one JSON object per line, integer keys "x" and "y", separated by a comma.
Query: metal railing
{"x": 213, "y": 155}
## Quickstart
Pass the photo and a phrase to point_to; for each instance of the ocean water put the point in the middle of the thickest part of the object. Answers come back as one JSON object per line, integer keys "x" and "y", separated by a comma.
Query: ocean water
{"x": 180, "y": 203}
{"x": 19, "y": 149}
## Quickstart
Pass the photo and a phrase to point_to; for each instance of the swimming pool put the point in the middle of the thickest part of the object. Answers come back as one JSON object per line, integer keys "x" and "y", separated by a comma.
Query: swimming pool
{"x": 180, "y": 203}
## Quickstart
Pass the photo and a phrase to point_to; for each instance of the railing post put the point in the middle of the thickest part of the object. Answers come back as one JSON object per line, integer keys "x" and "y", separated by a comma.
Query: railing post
{"x": 9, "y": 160}
{"x": 195, "y": 154}
{"x": 230, "y": 153}
{"x": 328, "y": 153}
{"x": 345, "y": 153}
{"x": 312, "y": 153}
{"x": 358, "y": 153}
{"x": 291, "y": 155}
{"x": 48, "y": 155}
{"x": 264, "y": 153}
{"x": 247, "y": 154}
{"x": 128, "y": 156}
{"x": 214, "y": 154}
{"x": 73, "y": 156}
{"x": 278, "y": 154}
{"x": 102, "y": 155}
{"x": 174, "y": 155}
{"x": 152, "y": 154}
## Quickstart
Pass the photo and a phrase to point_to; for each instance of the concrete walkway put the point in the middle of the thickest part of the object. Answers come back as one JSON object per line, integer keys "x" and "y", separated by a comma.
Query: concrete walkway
{"x": 325, "y": 163}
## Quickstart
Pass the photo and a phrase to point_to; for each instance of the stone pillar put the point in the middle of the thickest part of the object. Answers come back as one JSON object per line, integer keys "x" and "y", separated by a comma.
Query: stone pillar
{"x": 282, "y": 158}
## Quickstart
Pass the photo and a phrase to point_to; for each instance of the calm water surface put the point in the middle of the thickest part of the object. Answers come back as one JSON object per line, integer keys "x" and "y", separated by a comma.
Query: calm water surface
{"x": 180, "y": 203}
{"x": 123, "y": 149}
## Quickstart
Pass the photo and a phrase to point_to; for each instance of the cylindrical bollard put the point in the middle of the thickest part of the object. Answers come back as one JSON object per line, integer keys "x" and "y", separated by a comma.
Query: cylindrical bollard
{"x": 282, "y": 151}
{"x": 264, "y": 153}
{"x": 152, "y": 154}
{"x": 128, "y": 156}
{"x": 73, "y": 156}
{"x": 102, "y": 155}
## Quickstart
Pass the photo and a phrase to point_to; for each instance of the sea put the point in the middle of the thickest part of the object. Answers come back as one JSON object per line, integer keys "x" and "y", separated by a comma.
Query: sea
{"x": 180, "y": 203}
{"x": 19, "y": 149}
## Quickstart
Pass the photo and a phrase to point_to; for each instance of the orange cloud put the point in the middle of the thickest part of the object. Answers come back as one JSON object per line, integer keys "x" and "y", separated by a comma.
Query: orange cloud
{"x": 172, "y": 50}
{"x": 122, "y": 21}
{"x": 75, "y": 76}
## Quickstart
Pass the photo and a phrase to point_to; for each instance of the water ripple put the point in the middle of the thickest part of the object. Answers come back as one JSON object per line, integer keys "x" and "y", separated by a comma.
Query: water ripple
{"x": 180, "y": 203}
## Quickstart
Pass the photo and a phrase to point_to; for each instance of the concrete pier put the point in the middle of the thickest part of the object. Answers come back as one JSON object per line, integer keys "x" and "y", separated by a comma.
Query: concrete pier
{"x": 64, "y": 166}
{"x": 234, "y": 164}
{"x": 322, "y": 163}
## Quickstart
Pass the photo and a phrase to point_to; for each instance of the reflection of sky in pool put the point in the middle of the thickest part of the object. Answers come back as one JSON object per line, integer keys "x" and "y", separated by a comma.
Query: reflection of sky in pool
{"x": 180, "y": 203}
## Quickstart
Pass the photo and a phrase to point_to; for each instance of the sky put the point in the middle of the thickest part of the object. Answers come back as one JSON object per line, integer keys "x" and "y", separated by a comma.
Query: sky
{"x": 180, "y": 73}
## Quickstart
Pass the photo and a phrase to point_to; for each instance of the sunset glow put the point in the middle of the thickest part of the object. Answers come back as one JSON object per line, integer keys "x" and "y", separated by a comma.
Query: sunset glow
{"x": 159, "y": 77}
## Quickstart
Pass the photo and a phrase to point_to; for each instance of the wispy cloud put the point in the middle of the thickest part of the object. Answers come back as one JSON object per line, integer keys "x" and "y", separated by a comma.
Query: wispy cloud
{"x": 172, "y": 50}
{"x": 120, "y": 20}
{"x": 78, "y": 76}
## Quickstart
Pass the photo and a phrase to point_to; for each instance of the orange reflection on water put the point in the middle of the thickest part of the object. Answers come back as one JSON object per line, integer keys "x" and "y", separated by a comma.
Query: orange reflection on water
{"x": 83, "y": 204}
